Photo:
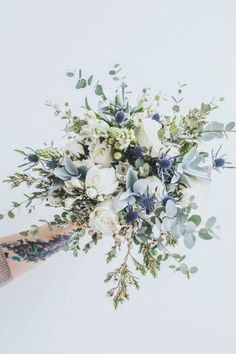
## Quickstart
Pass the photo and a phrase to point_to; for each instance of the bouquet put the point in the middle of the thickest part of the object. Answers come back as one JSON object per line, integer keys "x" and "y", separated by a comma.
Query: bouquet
{"x": 128, "y": 172}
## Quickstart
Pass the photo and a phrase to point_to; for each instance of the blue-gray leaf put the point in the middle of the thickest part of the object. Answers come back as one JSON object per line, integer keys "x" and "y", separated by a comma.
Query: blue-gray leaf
{"x": 131, "y": 178}
{"x": 171, "y": 209}
{"x": 70, "y": 167}
{"x": 210, "y": 222}
{"x": 189, "y": 240}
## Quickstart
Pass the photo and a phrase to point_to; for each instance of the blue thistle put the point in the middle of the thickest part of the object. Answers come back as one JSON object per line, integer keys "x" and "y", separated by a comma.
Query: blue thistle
{"x": 131, "y": 215}
{"x": 220, "y": 161}
{"x": 147, "y": 202}
{"x": 52, "y": 164}
{"x": 137, "y": 152}
{"x": 120, "y": 117}
{"x": 33, "y": 158}
{"x": 164, "y": 166}
{"x": 165, "y": 163}
{"x": 157, "y": 117}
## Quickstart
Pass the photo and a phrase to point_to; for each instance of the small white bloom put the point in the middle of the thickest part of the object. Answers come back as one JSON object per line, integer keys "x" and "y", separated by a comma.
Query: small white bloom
{"x": 68, "y": 187}
{"x": 93, "y": 129}
{"x": 76, "y": 183}
{"x": 104, "y": 219}
{"x": 102, "y": 179}
{"x": 91, "y": 193}
{"x": 121, "y": 170}
{"x": 138, "y": 118}
{"x": 69, "y": 202}
{"x": 87, "y": 163}
{"x": 147, "y": 136}
{"x": 54, "y": 201}
{"x": 74, "y": 148}
{"x": 101, "y": 154}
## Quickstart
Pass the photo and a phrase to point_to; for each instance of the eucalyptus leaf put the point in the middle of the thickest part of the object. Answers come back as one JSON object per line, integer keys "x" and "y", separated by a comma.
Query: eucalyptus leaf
{"x": 204, "y": 234}
{"x": 230, "y": 126}
{"x": 90, "y": 79}
{"x": 183, "y": 268}
{"x": 189, "y": 240}
{"x": 193, "y": 270}
{"x": 99, "y": 90}
{"x": 196, "y": 219}
{"x": 210, "y": 222}
{"x": 81, "y": 84}
{"x": 171, "y": 209}
{"x": 11, "y": 214}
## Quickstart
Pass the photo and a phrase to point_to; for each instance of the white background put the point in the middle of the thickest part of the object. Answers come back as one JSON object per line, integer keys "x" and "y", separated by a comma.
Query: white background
{"x": 61, "y": 306}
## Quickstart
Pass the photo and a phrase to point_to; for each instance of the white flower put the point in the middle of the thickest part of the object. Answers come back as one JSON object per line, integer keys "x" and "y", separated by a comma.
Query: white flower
{"x": 102, "y": 180}
{"x": 91, "y": 193}
{"x": 87, "y": 163}
{"x": 76, "y": 183}
{"x": 100, "y": 153}
{"x": 54, "y": 201}
{"x": 104, "y": 218}
{"x": 138, "y": 118}
{"x": 74, "y": 148}
{"x": 73, "y": 184}
{"x": 121, "y": 170}
{"x": 147, "y": 136}
{"x": 170, "y": 151}
{"x": 93, "y": 129}
{"x": 69, "y": 202}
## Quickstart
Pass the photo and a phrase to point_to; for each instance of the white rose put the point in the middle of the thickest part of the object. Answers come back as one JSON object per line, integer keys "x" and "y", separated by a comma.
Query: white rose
{"x": 102, "y": 180}
{"x": 104, "y": 219}
{"x": 74, "y": 148}
{"x": 101, "y": 153}
{"x": 147, "y": 135}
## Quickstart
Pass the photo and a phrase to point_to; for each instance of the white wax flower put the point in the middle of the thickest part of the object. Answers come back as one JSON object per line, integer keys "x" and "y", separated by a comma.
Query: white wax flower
{"x": 102, "y": 180}
{"x": 69, "y": 202}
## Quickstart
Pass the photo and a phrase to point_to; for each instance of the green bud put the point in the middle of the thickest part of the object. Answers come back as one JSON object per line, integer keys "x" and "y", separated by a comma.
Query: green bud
{"x": 117, "y": 145}
{"x": 111, "y": 141}
{"x": 117, "y": 155}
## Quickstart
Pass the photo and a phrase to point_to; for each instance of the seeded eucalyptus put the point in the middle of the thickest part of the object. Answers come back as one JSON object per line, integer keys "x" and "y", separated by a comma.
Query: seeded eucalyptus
{"x": 129, "y": 172}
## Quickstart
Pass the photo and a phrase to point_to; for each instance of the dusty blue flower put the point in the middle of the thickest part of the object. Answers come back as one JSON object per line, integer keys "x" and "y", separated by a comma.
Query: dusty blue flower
{"x": 120, "y": 117}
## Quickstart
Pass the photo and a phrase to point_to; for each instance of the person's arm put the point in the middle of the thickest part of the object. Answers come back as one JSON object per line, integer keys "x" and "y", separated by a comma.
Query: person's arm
{"x": 18, "y": 254}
